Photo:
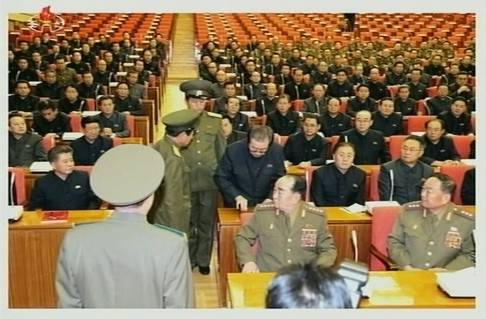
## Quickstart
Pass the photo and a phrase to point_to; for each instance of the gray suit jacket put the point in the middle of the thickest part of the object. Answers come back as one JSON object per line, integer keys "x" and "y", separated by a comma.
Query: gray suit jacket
{"x": 124, "y": 262}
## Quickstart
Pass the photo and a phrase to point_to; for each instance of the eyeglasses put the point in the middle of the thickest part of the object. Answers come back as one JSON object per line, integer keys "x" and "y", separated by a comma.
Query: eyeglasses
{"x": 257, "y": 150}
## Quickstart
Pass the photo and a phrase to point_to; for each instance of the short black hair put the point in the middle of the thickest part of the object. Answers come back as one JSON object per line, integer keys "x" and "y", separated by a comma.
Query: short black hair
{"x": 307, "y": 285}
{"x": 54, "y": 152}
{"x": 88, "y": 120}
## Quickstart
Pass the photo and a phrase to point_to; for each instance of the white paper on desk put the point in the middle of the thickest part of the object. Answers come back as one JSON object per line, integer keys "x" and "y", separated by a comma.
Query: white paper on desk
{"x": 40, "y": 167}
{"x": 71, "y": 136}
{"x": 461, "y": 283}
{"x": 14, "y": 212}
{"x": 379, "y": 203}
{"x": 355, "y": 208}
{"x": 379, "y": 283}
{"x": 469, "y": 161}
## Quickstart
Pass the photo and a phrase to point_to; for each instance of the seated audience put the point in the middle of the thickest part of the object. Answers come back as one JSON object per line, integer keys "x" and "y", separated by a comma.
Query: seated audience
{"x": 439, "y": 103}
{"x": 268, "y": 102}
{"x": 254, "y": 89}
{"x": 22, "y": 101}
{"x": 361, "y": 101}
{"x": 136, "y": 90}
{"x": 308, "y": 147}
{"x": 386, "y": 120}
{"x": 317, "y": 102}
{"x": 112, "y": 123}
{"x": 63, "y": 188}
{"x": 334, "y": 122}
{"x": 340, "y": 86}
{"x": 88, "y": 88}
{"x": 49, "y": 87}
{"x": 50, "y": 122}
{"x": 240, "y": 121}
{"x": 400, "y": 180}
{"x": 24, "y": 147}
{"x": 221, "y": 102}
{"x": 72, "y": 102}
{"x": 288, "y": 230}
{"x": 89, "y": 147}
{"x": 339, "y": 183}
{"x": 439, "y": 148}
{"x": 229, "y": 133}
{"x": 125, "y": 103}
{"x": 297, "y": 89}
{"x": 369, "y": 144}
{"x": 433, "y": 233}
{"x": 403, "y": 103}
{"x": 283, "y": 120}
{"x": 457, "y": 120}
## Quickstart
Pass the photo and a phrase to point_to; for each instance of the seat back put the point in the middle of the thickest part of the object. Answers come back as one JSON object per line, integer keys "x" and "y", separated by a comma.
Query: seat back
{"x": 374, "y": 192}
{"x": 280, "y": 139}
{"x": 297, "y": 105}
{"x": 48, "y": 142}
{"x": 244, "y": 219}
{"x": 395, "y": 145}
{"x": 382, "y": 221}
{"x": 309, "y": 171}
{"x": 416, "y": 123}
{"x": 19, "y": 180}
{"x": 117, "y": 141}
{"x": 462, "y": 144}
{"x": 130, "y": 119}
{"x": 456, "y": 172}
{"x": 90, "y": 104}
{"x": 393, "y": 90}
{"x": 75, "y": 120}
{"x": 86, "y": 168}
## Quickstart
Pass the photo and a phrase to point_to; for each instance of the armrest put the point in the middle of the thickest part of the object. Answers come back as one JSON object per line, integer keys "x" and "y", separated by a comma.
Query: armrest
{"x": 385, "y": 260}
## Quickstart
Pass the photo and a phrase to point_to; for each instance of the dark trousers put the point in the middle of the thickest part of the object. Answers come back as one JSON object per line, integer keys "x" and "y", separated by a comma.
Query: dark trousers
{"x": 203, "y": 216}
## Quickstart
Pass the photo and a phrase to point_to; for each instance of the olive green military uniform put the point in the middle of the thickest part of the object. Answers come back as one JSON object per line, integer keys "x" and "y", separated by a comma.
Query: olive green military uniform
{"x": 172, "y": 203}
{"x": 420, "y": 241}
{"x": 202, "y": 157}
{"x": 308, "y": 238}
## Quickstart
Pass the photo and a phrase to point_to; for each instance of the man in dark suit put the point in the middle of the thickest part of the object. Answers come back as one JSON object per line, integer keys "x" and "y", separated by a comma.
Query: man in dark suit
{"x": 439, "y": 148}
{"x": 249, "y": 168}
{"x": 308, "y": 147}
{"x": 386, "y": 120}
{"x": 369, "y": 144}
{"x": 229, "y": 133}
{"x": 283, "y": 120}
{"x": 297, "y": 89}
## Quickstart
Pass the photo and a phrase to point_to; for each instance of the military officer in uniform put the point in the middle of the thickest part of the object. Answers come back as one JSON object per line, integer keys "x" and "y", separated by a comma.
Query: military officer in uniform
{"x": 123, "y": 261}
{"x": 172, "y": 203}
{"x": 433, "y": 233}
{"x": 287, "y": 231}
{"x": 202, "y": 156}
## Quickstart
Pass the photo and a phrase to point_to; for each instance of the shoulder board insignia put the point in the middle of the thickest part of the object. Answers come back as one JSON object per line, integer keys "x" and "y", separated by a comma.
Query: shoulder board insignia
{"x": 265, "y": 207}
{"x": 212, "y": 114}
{"x": 412, "y": 206}
{"x": 172, "y": 230}
{"x": 314, "y": 210}
{"x": 464, "y": 213}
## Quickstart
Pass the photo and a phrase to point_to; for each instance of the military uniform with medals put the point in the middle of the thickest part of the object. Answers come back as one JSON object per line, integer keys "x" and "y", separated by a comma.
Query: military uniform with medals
{"x": 305, "y": 237}
{"x": 421, "y": 240}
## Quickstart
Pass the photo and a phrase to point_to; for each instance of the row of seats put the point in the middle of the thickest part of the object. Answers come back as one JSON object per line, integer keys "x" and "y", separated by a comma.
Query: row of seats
{"x": 459, "y": 28}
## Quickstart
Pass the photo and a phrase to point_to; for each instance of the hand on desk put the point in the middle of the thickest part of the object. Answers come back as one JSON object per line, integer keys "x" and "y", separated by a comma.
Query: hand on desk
{"x": 305, "y": 164}
{"x": 250, "y": 267}
{"x": 241, "y": 203}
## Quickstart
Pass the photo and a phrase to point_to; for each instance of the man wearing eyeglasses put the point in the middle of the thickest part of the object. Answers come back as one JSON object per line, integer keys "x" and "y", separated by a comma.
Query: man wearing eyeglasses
{"x": 249, "y": 168}
{"x": 401, "y": 179}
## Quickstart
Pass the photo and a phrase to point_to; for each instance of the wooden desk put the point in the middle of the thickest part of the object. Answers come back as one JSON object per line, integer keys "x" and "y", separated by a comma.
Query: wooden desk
{"x": 295, "y": 169}
{"x": 340, "y": 224}
{"x": 416, "y": 289}
{"x": 32, "y": 255}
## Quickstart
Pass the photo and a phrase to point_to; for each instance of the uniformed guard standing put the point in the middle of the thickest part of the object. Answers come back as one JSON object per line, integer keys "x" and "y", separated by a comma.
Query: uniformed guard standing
{"x": 123, "y": 261}
{"x": 433, "y": 233}
{"x": 172, "y": 203}
{"x": 202, "y": 157}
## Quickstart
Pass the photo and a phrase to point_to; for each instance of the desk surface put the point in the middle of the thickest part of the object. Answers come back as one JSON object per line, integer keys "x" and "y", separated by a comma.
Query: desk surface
{"x": 335, "y": 215}
{"x": 415, "y": 289}
{"x": 32, "y": 219}
{"x": 295, "y": 169}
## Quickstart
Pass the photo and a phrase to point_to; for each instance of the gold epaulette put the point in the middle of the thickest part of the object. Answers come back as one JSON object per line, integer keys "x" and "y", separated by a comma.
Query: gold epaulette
{"x": 412, "y": 206}
{"x": 313, "y": 210}
{"x": 172, "y": 230}
{"x": 265, "y": 207}
{"x": 463, "y": 213}
{"x": 212, "y": 114}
